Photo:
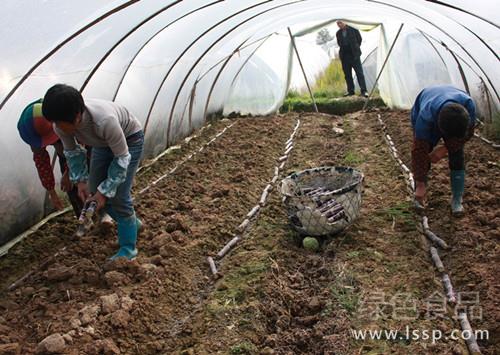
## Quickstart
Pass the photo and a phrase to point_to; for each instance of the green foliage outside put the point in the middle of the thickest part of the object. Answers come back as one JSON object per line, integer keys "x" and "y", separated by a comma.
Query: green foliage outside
{"x": 492, "y": 129}
{"x": 331, "y": 83}
{"x": 328, "y": 92}
{"x": 334, "y": 106}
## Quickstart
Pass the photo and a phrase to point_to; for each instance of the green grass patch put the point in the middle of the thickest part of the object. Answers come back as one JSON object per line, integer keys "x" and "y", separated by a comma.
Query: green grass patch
{"x": 401, "y": 212}
{"x": 346, "y": 293}
{"x": 243, "y": 348}
{"x": 353, "y": 254}
{"x": 238, "y": 283}
{"x": 334, "y": 106}
{"x": 347, "y": 297}
{"x": 353, "y": 158}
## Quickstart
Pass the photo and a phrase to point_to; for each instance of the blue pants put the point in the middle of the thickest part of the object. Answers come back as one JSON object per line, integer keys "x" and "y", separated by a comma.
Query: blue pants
{"x": 121, "y": 205}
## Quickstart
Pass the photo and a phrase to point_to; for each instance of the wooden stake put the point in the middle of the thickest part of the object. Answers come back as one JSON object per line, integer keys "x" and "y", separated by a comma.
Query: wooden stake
{"x": 228, "y": 247}
{"x": 292, "y": 39}
{"x": 263, "y": 197}
{"x": 449, "y": 289}
{"x": 253, "y": 211}
{"x": 431, "y": 236}
{"x": 470, "y": 337}
{"x": 486, "y": 140}
{"x": 409, "y": 182}
{"x": 40, "y": 267}
{"x": 425, "y": 223}
{"x": 436, "y": 259}
{"x": 435, "y": 239}
{"x": 144, "y": 190}
{"x": 213, "y": 268}
{"x": 412, "y": 182}
{"x": 244, "y": 224}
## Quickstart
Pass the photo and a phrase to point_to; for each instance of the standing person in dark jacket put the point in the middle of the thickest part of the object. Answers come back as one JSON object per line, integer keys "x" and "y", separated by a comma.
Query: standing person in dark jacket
{"x": 441, "y": 111}
{"x": 349, "y": 41}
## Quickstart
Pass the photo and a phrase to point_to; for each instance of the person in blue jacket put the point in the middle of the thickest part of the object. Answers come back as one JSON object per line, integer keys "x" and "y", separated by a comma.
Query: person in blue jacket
{"x": 446, "y": 112}
{"x": 116, "y": 138}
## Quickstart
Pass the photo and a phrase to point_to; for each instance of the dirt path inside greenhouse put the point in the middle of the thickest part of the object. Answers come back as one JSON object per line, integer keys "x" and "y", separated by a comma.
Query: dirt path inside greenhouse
{"x": 274, "y": 297}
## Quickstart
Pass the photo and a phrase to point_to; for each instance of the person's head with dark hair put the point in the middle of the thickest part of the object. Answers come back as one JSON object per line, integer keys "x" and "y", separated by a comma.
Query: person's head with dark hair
{"x": 63, "y": 105}
{"x": 453, "y": 121}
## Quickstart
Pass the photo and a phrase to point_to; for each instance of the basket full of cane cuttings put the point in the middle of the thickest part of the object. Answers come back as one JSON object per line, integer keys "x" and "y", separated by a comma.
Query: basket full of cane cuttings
{"x": 322, "y": 201}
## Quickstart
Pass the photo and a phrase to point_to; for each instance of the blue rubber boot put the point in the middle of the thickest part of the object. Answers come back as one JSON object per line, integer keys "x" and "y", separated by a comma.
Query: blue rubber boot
{"x": 127, "y": 237}
{"x": 140, "y": 226}
{"x": 457, "y": 180}
{"x": 110, "y": 211}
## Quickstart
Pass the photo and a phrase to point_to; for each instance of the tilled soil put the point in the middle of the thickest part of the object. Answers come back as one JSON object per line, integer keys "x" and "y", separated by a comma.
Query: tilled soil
{"x": 274, "y": 297}
{"x": 473, "y": 261}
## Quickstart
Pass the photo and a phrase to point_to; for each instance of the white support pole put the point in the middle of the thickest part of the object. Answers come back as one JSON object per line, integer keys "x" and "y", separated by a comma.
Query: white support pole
{"x": 303, "y": 71}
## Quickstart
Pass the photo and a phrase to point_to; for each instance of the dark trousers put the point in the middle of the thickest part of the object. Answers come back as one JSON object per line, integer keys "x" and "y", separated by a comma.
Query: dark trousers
{"x": 456, "y": 160}
{"x": 75, "y": 201}
{"x": 348, "y": 64}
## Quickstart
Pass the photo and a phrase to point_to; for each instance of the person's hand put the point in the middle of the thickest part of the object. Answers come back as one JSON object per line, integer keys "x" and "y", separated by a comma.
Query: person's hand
{"x": 438, "y": 153}
{"x": 99, "y": 198}
{"x": 66, "y": 184}
{"x": 420, "y": 191}
{"x": 55, "y": 200}
{"x": 83, "y": 191}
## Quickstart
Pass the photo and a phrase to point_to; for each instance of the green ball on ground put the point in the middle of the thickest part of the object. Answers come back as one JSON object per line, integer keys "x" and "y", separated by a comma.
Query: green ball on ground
{"x": 310, "y": 243}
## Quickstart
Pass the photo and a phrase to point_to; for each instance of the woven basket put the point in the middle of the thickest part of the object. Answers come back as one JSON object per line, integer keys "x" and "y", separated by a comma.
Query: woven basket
{"x": 324, "y": 200}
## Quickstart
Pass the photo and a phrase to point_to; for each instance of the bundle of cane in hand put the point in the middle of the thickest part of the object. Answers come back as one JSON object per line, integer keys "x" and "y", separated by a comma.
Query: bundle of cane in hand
{"x": 85, "y": 220}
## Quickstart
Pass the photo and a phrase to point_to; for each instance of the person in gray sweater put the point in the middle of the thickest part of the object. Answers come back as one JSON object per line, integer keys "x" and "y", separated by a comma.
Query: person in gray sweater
{"x": 117, "y": 140}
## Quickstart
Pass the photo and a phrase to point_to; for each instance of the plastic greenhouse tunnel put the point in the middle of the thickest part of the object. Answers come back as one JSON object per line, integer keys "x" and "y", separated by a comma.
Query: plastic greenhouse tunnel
{"x": 250, "y": 177}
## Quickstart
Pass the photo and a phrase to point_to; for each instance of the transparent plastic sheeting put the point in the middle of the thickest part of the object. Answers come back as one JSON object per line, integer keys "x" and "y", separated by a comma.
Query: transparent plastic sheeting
{"x": 250, "y": 95}
{"x": 173, "y": 63}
